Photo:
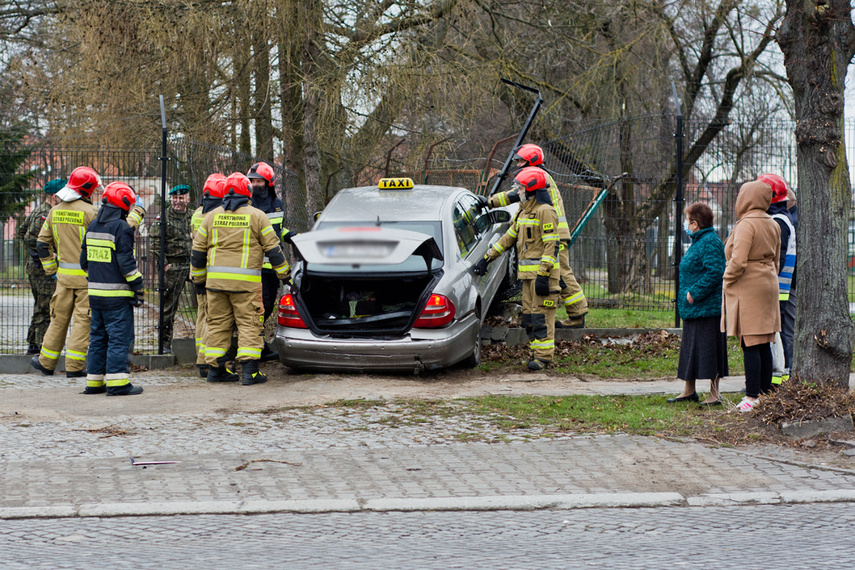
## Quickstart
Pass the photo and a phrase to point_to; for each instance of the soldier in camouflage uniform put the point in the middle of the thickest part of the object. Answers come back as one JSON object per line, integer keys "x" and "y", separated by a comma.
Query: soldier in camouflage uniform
{"x": 177, "y": 262}
{"x": 41, "y": 284}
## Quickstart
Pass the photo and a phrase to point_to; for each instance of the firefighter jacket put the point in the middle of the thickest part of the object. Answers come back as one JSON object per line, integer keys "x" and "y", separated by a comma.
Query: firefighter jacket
{"x": 28, "y": 231}
{"x": 178, "y": 240}
{"x": 507, "y": 198}
{"x": 272, "y": 206}
{"x": 107, "y": 254}
{"x": 208, "y": 204}
{"x": 534, "y": 230}
{"x": 230, "y": 246}
{"x": 60, "y": 240}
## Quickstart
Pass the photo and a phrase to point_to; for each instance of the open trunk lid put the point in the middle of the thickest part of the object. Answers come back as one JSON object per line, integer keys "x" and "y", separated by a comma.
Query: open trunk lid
{"x": 366, "y": 246}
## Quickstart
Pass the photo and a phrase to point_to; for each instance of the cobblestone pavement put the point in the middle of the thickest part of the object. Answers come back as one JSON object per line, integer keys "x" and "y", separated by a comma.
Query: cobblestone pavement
{"x": 722, "y": 537}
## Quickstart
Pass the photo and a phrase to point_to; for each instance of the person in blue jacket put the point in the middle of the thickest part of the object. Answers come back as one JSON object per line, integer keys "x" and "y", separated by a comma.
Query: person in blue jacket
{"x": 115, "y": 287}
{"x": 703, "y": 350}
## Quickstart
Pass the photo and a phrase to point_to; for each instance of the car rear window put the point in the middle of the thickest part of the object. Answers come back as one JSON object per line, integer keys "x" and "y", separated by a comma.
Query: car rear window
{"x": 414, "y": 263}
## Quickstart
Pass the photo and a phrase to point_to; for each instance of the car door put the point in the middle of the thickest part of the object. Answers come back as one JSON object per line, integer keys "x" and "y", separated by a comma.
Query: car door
{"x": 474, "y": 228}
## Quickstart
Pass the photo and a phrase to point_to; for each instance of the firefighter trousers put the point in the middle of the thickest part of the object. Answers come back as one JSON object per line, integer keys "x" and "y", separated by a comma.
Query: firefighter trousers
{"x": 66, "y": 304}
{"x": 201, "y": 327}
{"x": 571, "y": 293}
{"x": 225, "y": 309}
{"x": 538, "y": 318}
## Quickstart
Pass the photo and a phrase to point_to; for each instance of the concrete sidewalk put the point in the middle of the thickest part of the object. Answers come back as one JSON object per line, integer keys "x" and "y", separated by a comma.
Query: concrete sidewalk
{"x": 331, "y": 459}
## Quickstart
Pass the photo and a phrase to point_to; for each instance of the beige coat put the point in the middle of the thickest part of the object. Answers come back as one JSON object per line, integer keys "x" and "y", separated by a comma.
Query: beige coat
{"x": 753, "y": 251}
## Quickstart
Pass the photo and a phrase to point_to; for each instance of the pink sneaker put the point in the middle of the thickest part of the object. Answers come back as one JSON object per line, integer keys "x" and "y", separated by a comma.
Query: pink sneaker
{"x": 746, "y": 405}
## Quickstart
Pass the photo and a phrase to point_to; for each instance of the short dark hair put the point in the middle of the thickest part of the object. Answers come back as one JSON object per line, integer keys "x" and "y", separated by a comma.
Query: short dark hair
{"x": 701, "y": 213}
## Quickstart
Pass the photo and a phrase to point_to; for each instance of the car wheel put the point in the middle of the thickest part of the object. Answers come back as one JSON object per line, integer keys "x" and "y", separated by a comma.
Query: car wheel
{"x": 511, "y": 286}
{"x": 474, "y": 359}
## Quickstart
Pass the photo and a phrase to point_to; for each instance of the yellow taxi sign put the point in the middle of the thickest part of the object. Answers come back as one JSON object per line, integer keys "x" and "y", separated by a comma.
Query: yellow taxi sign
{"x": 395, "y": 183}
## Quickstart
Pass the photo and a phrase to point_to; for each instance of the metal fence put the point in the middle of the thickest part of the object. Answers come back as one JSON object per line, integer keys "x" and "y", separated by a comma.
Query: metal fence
{"x": 188, "y": 163}
{"x": 624, "y": 257}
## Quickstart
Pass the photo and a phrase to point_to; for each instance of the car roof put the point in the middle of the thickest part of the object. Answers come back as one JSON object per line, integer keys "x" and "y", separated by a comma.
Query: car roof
{"x": 422, "y": 202}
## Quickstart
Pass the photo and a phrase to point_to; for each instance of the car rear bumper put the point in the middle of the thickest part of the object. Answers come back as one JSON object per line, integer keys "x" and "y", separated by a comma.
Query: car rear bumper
{"x": 421, "y": 349}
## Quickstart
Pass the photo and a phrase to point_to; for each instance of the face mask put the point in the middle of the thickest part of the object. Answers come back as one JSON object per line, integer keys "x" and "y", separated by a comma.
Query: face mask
{"x": 686, "y": 228}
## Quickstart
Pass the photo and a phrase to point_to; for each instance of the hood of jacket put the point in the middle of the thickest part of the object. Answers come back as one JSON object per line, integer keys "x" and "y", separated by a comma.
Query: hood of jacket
{"x": 234, "y": 201}
{"x": 754, "y": 195}
{"x": 210, "y": 202}
{"x": 109, "y": 213}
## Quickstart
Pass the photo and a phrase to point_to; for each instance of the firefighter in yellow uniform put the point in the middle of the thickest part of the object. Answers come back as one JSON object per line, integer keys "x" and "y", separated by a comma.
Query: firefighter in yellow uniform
{"x": 59, "y": 245}
{"x": 534, "y": 230}
{"x": 572, "y": 296}
{"x": 228, "y": 253}
{"x": 212, "y": 197}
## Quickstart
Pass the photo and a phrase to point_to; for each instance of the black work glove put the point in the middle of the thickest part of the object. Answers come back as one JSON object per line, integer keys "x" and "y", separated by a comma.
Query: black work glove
{"x": 34, "y": 256}
{"x": 137, "y": 300}
{"x": 485, "y": 201}
{"x": 287, "y": 237}
{"x": 541, "y": 286}
{"x": 480, "y": 268}
{"x": 200, "y": 288}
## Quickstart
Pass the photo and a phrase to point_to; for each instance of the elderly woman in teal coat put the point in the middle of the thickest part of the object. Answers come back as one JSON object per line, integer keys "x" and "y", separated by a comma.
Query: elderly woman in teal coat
{"x": 703, "y": 350}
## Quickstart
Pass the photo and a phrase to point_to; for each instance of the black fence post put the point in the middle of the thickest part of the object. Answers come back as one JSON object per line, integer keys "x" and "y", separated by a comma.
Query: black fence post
{"x": 678, "y": 207}
{"x": 161, "y": 286}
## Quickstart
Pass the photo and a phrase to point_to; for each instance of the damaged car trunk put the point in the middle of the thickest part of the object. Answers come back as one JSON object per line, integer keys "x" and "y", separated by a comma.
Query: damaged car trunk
{"x": 372, "y": 281}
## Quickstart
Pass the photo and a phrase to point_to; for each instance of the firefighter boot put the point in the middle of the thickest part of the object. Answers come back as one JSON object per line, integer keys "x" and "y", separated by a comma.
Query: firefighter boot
{"x": 251, "y": 375}
{"x": 33, "y": 348}
{"x": 75, "y": 374}
{"x": 538, "y": 364}
{"x": 126, "y": 390}
{"x": 268, "y": 354}
{"x": 203, "y": 370}
{"x": 38, "y": 366}
{"x": 221, "y": 374}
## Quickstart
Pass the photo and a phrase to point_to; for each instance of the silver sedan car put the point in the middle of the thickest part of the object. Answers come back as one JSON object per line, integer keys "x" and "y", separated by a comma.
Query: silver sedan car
{"x": 383, "y": 280}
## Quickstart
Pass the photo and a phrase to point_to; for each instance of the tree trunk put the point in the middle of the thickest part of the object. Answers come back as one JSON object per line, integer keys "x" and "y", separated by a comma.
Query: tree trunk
{"x": 262, "y": 103}
{"x": 310, "y": 20}
{"x": 818, "y": 42}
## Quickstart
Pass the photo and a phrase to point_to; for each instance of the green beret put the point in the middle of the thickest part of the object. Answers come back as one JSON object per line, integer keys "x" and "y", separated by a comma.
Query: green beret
{"x": 180, "y": 189}
{"x": 55, "y": 186}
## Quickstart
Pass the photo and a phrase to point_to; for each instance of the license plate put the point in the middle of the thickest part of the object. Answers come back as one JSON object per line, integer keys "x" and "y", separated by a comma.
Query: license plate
{"x": 358, "y": 250}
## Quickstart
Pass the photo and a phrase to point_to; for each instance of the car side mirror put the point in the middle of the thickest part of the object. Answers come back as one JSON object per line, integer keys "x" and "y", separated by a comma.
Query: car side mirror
{"x": 316, "y": 216}
{"x": 501, "y": 216}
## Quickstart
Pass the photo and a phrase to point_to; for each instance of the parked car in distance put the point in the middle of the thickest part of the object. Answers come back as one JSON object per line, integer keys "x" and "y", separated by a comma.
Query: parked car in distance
{"x": 383, "y": 280}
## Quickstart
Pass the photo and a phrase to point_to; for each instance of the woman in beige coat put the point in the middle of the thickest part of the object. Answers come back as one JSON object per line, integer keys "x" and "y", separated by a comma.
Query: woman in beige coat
{"x": 750, "y": 287}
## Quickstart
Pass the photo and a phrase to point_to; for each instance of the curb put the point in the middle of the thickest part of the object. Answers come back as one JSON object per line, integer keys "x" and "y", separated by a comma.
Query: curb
{"x": 490, "y": 503}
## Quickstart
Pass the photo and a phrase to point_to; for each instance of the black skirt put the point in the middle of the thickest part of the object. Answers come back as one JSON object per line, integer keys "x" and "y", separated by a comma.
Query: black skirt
{"x": 703, "y": 350}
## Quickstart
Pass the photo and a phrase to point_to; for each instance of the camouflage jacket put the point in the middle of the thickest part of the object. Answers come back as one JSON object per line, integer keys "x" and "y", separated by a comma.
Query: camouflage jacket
{"x": 178, "y": 239}
{"x": 29, "y": 229}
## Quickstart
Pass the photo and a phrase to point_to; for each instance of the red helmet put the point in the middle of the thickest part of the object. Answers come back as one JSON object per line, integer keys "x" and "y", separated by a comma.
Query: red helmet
{"x": 120, "y": 195}
{"x": 84, "y": 181}
{"x": 215, "y": 185}
{"x": 531, "y": 178}
{"x": 780, "y": 188}
{"x": 263, "y": 171}
{"x": 531, "y": 153}
{"x": 237, "y": 183}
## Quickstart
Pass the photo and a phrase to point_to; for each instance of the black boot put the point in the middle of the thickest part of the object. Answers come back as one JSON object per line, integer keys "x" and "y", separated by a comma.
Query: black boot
{"x": 33, "y": 348}
{"x": 251, "y": 375}
{"x": 203, "y": 370}
{"x": 38, "y": 366}
{"x": 221, "y": 374}
{"x": 268, "y": 354}
{"x": 126, "y": 390}
{"x": 89, "y": 390}
{"x": 75, "y": 374}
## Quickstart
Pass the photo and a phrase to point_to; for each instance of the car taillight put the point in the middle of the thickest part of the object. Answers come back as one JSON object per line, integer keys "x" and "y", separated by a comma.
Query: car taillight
{"x": 438, "y": 312}
{"x": 289, "y": 316}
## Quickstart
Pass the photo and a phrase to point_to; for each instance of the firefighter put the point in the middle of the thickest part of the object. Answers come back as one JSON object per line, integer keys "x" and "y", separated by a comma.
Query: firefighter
{"x": 42, "y": 285}
{"x": 176, "y": 267}
{"x": 228, "y": 253}
{"x": 212, "y": 197}
{"x": 115, "y": 287}
{"x": 788, "y": 223}
{"x": 572, "y": 296}
{"x": 534, "y": 230}
{"x": 262, "y": 178}
{"x": 58, "y": 246}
